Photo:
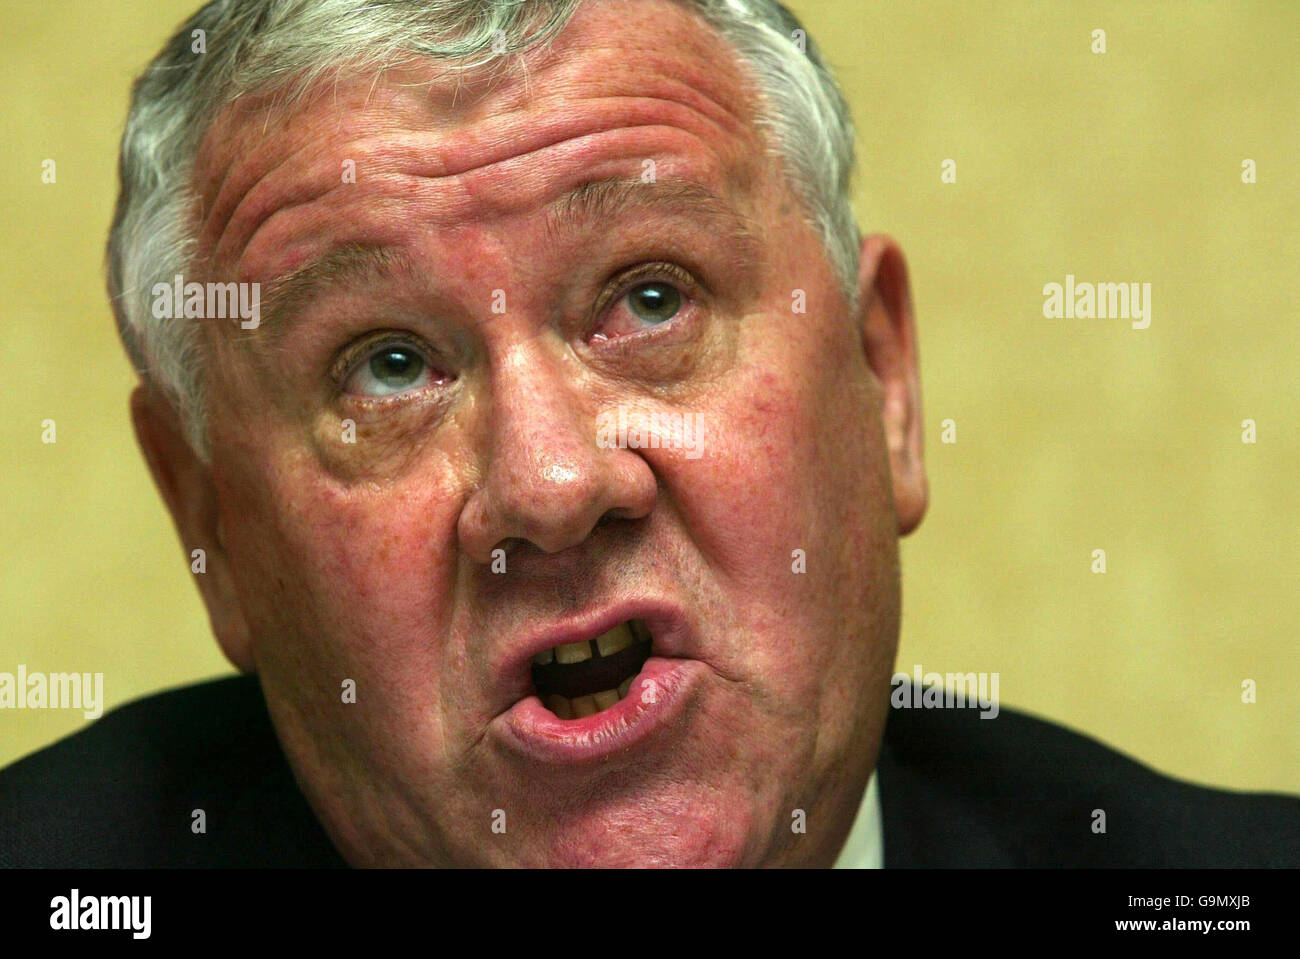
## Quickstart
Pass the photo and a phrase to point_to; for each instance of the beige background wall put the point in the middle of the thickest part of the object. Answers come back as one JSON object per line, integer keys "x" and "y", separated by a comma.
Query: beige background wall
{"x": 1072, "y": 435}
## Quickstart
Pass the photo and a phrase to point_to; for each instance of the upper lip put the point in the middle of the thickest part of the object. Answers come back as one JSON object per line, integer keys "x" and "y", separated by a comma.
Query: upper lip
{"x": 665, "y": 619}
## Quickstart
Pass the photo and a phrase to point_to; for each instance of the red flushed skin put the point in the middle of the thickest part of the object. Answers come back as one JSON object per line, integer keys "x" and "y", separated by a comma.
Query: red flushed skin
{"x": 369, "y": 564}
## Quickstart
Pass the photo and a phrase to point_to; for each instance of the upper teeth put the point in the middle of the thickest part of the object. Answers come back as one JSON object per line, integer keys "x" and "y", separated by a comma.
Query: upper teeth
{"x": 572, "y": 652}
{"x": 619, "y": 638}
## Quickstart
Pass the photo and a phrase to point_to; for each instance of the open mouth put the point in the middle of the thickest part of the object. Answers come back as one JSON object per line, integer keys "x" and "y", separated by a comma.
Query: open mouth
{"x": 576, "y": 680}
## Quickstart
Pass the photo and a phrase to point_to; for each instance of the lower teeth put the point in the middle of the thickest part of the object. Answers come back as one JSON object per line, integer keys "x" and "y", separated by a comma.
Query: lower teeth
{"x": 580, "y": 707}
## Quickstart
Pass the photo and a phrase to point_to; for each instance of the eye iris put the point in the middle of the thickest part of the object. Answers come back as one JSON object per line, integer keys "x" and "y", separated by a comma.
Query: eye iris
{"x": 396, "y": 368}
{"x": 655, "y": 302}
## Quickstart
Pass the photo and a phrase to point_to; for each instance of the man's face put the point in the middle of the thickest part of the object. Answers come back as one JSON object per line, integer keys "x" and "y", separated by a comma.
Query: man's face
{"x": 409, "y": 494}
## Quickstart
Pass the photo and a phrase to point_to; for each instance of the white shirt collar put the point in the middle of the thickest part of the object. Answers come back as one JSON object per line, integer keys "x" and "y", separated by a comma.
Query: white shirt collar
{"x": 865, "y": 847}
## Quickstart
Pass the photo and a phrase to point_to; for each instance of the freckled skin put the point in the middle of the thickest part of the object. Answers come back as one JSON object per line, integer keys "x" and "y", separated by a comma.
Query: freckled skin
{"x": 371, "y": 560}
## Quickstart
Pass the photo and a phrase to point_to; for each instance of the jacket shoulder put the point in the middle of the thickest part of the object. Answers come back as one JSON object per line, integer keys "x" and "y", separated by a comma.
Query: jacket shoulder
{"x": 124, "y": 791}
{"x": 1015, "y": 790}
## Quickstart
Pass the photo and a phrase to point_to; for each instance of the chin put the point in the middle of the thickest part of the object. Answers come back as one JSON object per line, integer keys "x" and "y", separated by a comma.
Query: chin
{"x": 708, "y": 834}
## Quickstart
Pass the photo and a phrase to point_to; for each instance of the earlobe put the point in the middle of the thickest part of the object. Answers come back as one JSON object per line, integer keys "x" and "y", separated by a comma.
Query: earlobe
{"x": 889, "y": 339}
{"x": 185, "y": 483}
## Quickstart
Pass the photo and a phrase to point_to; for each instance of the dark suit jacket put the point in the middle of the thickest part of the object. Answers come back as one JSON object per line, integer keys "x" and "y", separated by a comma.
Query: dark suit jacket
{"x": 955, "y": 791}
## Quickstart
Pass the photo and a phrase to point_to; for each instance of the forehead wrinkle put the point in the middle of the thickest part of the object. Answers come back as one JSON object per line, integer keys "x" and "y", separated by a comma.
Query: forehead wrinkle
{"x": 685, "y": 74}
{"x": 240, "y": 130}
{"x": 470, "y": 153}
{"x": 240, "y": 194}
{"x": 658, "y": 97}
{"x": 478, "y": 194}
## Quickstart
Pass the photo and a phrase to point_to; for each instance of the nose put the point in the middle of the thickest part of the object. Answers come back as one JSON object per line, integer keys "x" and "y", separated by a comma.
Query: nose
{"x": 547, "y": 481}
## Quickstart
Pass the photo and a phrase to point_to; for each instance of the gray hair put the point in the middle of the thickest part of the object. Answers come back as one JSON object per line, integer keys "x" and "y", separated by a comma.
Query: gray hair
{"x": 283, "y": 46}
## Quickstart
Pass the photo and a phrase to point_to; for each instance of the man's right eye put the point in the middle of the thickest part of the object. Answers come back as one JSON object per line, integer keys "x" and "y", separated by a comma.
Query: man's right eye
{"x": 391, "y": 369}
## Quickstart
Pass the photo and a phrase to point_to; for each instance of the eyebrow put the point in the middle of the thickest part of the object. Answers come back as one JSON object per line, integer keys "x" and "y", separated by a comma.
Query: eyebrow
{"x": 352, "y": 261}
{"x": 616, "y": 196}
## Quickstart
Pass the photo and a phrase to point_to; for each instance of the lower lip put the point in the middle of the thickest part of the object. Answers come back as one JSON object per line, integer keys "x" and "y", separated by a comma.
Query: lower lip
{"x": 531, "y": 728}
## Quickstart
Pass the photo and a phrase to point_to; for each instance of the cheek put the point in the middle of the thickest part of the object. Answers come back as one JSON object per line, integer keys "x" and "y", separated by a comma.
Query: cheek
{"x": 749, "y": 502}
{"x": 348, "y": 575}
{"x": 790, "y": 508}
{"x": 790, "y": 463}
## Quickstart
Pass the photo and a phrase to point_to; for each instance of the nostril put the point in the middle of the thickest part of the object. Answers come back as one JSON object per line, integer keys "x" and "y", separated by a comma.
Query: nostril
{"x": 617, "y": 513}
{"x": 510, "y": 545}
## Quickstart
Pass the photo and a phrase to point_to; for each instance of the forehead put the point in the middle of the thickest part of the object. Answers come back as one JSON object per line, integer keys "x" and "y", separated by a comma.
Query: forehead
{"x": 626, "y": 88}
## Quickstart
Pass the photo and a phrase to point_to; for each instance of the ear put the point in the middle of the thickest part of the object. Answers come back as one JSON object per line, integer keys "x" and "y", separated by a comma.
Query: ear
{"x": 185, "y": 483}
{"x": 889, "y": 338}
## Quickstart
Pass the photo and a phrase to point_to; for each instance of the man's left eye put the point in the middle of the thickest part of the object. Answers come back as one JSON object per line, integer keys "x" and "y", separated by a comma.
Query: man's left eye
{"x": 654, "y": 303}
{"x": 644, "y": 306}
{"x": 389, "y": 370}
